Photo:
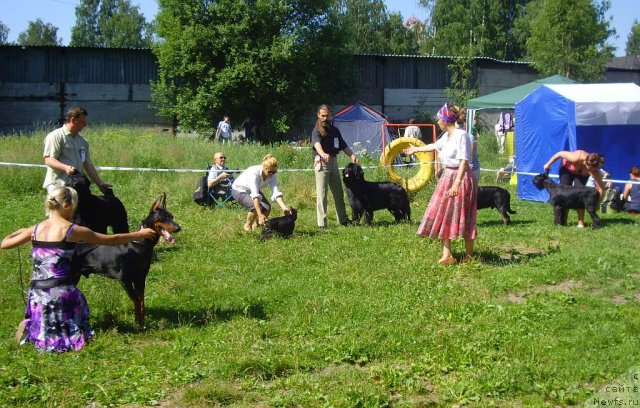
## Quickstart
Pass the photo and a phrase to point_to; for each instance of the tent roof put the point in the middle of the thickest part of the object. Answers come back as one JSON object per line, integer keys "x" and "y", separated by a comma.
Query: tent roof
{"x": 599, "y": 92}
{"x": 507, "y": 98}
{"x": 360, "y": 111}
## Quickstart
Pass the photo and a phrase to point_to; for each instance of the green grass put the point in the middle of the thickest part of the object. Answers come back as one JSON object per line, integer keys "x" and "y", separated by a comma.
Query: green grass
{"x": 357, "y": 316}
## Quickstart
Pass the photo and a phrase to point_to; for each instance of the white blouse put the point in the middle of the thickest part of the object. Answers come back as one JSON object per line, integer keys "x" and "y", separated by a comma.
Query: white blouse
{"x": 455, "y": 148}
{"x": 251, "y": 181}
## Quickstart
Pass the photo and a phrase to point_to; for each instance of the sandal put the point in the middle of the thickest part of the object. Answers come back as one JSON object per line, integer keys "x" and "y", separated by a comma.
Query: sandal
{"x": 448, "y": 261}
{"x": 21, "y": 331}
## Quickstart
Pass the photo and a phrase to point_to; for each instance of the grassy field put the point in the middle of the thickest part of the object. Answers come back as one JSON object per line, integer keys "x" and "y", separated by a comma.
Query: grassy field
{"x": 352, "y": 317}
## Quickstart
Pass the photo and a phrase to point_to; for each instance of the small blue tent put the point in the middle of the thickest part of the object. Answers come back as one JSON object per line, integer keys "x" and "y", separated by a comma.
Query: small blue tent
{"x": 361, "y": 128}
{"x": 602, "y": 118}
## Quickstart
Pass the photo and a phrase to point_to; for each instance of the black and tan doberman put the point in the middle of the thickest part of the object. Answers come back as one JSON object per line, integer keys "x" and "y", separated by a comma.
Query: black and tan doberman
{"x": 128, "y": 263}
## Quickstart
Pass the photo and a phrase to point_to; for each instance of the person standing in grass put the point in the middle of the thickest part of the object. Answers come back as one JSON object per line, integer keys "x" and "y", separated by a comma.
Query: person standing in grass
{"x": 223, "y": 130}
{"x": 452, "y": 210}
{"x": 246, "y": 191}
{"x": 67, "y": 152}
{"x": 575, "y": 170}
{"x": 57, "y": 314}
{"x": 327, "y": 142}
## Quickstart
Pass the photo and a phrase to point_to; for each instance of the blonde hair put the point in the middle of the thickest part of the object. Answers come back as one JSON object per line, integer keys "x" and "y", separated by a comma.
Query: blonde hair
{"x": 269, "y": 162}
{"x": 60, "y": 196}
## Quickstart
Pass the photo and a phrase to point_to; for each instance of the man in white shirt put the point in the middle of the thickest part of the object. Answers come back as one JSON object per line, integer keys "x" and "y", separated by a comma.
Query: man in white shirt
{"x": 223, "y": 131}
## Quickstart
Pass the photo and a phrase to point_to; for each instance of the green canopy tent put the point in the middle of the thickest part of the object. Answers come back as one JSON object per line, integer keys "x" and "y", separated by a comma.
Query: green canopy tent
{"x": 507, "y": 98}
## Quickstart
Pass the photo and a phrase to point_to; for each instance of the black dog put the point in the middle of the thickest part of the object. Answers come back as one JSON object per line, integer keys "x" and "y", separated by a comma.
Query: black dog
{"x": 280, "y": 226}
{"x": 496, "y": 197}
{"x": 565, "y": 198}
{"x": 98, "y": 212}
{"x": 128, "y": 263}
{"x": 365, "y": 197}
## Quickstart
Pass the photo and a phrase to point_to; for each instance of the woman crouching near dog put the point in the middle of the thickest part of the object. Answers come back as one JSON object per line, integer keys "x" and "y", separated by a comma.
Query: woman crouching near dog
{"x": 57, "y": 314}
{"x": 452, "y": 210}
{"x": 575, "y": 170}
{"x": 246, "y": 191}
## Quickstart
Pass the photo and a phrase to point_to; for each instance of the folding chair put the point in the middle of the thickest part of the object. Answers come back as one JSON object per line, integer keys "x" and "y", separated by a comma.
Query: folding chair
{"x": 220, "y": 194}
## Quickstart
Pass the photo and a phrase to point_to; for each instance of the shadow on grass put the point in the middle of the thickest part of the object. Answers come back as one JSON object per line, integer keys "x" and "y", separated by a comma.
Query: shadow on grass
{"x": 163, "y": 318}
{"x": 513, "y": 256}
{"x": 498, "y": 222}
{"x": 604, "y": 221}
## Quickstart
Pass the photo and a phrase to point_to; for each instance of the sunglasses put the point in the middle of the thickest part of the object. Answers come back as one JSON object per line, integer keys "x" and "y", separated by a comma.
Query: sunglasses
{"x": 222, "y": 157}
{"x": 272, "y": 171}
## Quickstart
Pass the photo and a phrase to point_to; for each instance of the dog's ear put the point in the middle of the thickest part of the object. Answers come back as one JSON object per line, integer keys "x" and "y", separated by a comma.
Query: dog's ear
{"x": 156, "y": 204}
{"x": 359, "y": 172}
{"x": 163, "y": 203}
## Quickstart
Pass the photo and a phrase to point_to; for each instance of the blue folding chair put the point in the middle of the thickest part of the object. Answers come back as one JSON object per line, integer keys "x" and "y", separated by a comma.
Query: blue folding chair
{"x": 220, "y": 194}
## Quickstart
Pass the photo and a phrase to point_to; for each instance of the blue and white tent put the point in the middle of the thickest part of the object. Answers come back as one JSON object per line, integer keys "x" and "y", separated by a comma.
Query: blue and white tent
{"x": 602, "y": 118}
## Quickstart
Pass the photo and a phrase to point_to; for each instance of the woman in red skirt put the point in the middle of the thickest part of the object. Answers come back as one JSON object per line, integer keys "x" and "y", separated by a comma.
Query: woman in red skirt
{"x": 451, "y": 213}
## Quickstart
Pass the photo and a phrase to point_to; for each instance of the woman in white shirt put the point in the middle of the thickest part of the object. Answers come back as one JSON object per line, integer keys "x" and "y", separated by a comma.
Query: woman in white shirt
{"x": 246, "y": 191}
{"x": 452, "y": 210}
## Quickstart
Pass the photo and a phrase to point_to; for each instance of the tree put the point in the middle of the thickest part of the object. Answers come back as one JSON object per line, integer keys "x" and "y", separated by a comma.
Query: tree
{"x": 269, "y": 60}
{"x": 568, "y": 37}
{"x": 110, "y": 23}
{"x": 633, "y": 40}
{"x": 39, "y": 34}
{"x": 4, "y": 33}
{"x": 373, "y": 30}
{"x": 476, "y": 27}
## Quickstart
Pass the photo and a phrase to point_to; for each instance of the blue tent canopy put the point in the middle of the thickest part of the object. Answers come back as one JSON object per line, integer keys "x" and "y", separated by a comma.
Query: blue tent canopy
{"x": 602, "y": 118}
{"x": 361, "y": 128}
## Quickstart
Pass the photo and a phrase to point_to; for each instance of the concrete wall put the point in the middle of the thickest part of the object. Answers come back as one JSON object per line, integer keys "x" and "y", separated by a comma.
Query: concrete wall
{"x": 26, "y": 106}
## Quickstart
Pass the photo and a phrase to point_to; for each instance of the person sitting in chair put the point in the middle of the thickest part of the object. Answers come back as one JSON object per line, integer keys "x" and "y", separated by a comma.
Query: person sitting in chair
{"x": 219, "y": 179}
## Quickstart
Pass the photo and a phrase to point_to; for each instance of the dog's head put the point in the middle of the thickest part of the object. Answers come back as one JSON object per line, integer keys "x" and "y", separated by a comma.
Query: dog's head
{"x": 161, "y": 220}
{"x": 539, "y": 180}
{"x": 80, "y": 183}
{"x": 352, "y": 173}
{"x": 294, "y": 214}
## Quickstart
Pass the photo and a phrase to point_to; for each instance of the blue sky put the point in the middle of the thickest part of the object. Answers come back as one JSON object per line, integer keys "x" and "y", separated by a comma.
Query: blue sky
{"x": 61, "y": 13}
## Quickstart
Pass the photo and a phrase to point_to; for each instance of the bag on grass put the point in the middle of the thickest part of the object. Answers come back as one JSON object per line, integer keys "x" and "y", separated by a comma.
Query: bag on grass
{"x": 201, "y": 194}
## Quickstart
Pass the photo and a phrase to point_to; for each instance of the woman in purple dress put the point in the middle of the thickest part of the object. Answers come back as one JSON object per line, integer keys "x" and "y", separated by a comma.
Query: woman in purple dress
{"x": 57, "y": 314}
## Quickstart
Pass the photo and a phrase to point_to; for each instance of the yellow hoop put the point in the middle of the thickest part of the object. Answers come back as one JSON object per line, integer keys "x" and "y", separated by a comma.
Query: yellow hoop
{"x": 418, "y": 181}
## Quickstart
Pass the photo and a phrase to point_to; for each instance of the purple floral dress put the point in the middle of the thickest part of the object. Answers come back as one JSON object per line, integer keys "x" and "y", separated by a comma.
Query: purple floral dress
{"x": 57, "y": 318}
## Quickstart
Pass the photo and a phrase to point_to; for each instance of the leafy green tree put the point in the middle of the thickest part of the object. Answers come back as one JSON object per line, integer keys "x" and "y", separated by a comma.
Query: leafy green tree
{"x": 39, "y": 34}
{"x": 273, "y": 61}
{"x": 633, "y": 40}
{"x": 476, "y": 27}
{"x": 110, "y": 23}
{"x": 403, "y": 40}
{"x": 568, "y": 37}
{"x": 4, "y": 33}
{"x": 373, "y": 30}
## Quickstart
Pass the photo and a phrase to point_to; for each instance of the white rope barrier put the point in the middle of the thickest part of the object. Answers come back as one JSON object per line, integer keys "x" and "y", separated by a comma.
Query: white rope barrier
{"x": 160, "y": 170}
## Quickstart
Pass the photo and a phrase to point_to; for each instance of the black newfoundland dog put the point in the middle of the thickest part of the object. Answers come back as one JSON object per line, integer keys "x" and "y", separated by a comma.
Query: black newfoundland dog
{"x": 564, "y": 198}
{"x": 98, "y": 212}
{"x": 365, "y": 197}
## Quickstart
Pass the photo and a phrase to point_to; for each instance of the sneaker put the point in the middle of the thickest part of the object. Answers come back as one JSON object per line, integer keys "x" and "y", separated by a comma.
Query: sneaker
{"x": 21, "y": 331}
{"x": 580, "y": 225}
